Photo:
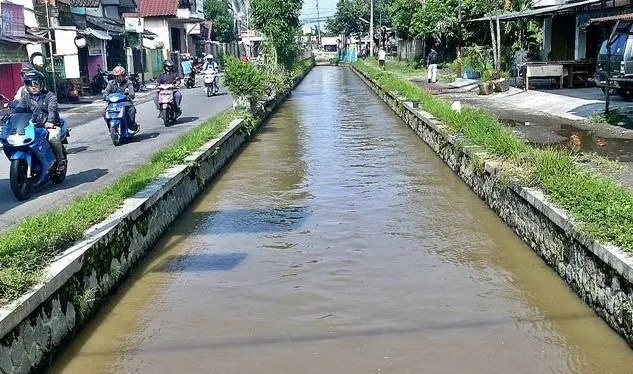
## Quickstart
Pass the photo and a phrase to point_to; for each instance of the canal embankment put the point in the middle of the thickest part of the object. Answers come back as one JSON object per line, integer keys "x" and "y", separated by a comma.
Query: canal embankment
{"x": 38, "y": 324}
{"x": 579, "y": 222}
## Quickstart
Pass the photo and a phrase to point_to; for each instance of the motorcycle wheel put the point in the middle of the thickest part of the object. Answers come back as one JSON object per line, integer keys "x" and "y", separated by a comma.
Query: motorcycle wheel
{"x": 209, "y": 91}
{"x": 166, "y": 115}
{"x": 58, "y": 177}
{"x": 20, "y": 184}
{"x": 115, "y": 135}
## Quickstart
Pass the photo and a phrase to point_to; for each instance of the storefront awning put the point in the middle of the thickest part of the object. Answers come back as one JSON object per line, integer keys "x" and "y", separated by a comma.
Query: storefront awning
{"x": 28, "y": 38}
{"x": 97, "y": 34}
{"x": 620, "y": 17}
{"x": 537, "y": 12}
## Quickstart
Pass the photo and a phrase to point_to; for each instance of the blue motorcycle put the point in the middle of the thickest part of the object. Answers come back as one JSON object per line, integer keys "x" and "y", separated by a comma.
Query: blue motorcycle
{"x": 118, "y": 119}
{"x": 33, "y": 163}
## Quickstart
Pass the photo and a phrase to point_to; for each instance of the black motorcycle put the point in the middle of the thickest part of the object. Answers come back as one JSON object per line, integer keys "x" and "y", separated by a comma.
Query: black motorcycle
{"x": 190, "y": 80}
{"x": 136, "y": 82}
{"x": 100, "y": 81}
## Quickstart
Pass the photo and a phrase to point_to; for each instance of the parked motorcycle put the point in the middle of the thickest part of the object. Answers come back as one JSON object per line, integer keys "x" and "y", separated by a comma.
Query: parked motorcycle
{"x": 117, "y": 119}
{"x": 190, "y": 80}
{"x": 33, "y": 162}
{"x": 167, "y": 103}
{"x": 210, "y": 80}
{"x": 100, "y": 81}
{"x": 136, "y": 82}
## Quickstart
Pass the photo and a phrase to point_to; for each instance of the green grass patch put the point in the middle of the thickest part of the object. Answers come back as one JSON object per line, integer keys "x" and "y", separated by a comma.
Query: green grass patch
{"x": 602, "y": 208}
{"x": 30, "y": 245}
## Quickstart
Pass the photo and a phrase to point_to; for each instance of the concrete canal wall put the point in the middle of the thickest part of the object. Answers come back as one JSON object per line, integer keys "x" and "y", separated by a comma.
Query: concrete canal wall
{"x": 77, "y": 284}
{"x": 601, "y": 275}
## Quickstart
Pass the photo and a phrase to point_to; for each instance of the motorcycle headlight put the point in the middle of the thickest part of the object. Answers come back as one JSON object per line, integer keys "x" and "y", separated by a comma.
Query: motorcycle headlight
{"x": 114, "y": 99}
{"x": 15, "y": 139}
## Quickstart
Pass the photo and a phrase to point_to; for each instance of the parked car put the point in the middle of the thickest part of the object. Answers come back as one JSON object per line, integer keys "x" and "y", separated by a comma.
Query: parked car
{"x": 621, "y": 64}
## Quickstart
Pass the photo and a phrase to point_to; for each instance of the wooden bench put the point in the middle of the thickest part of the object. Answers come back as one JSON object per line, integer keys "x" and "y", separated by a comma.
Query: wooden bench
{"x": 543, "y": 70}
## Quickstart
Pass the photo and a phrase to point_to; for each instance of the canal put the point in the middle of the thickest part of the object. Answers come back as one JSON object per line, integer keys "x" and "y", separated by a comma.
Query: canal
{"x": 337, "y": 242}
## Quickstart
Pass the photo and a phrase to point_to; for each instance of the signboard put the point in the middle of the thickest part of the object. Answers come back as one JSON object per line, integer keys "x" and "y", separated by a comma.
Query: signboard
{"x": 192, "y": 28}
{"x": 134, "y": 24}
{"x": 12, "y": 20}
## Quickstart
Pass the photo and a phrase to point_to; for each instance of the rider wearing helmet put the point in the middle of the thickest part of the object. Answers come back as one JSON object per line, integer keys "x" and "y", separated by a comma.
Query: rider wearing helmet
{"x": 209, "y": 63}
{"x": 38, "y": 98}
{"x": 169, "y": 76}
{"x": 120, "y": 84}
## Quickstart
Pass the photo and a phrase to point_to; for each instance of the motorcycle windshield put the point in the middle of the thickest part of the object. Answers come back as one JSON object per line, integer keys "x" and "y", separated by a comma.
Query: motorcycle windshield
{"x": 16, "y": 124}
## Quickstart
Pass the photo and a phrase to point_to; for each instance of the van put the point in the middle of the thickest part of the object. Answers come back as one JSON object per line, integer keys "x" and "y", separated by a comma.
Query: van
{"x": 621, "y": 63}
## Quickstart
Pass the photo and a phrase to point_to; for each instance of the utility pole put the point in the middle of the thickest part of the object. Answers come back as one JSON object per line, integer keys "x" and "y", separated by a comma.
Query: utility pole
{"x": 318, "y": 24}
{"x": 459, "y": 44}
{"x": 50, "y": 46}
{"x": 371, "y": 28}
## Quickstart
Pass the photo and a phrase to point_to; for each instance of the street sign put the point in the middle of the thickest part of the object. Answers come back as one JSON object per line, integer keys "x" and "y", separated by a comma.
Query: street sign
{"x": 134, "y": 24}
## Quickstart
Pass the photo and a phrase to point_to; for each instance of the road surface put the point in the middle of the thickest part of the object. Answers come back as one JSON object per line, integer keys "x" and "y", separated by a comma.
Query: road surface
{"x": 94, "y": 162}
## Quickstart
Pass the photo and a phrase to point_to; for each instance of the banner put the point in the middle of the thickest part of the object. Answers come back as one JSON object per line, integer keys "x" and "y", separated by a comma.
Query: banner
{"x": 12, "y": 24}
{"x": 134, "y": 24}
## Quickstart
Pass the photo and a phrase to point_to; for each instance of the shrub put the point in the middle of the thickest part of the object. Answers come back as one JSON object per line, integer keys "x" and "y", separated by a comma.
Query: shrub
{"x": 243, "y": 79}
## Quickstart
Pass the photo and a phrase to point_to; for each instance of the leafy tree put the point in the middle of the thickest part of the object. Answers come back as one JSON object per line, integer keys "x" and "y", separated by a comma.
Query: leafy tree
{"x": 218, "y": 12}
{"x": 278, "y": 20}
{"x": 347, "y": 19}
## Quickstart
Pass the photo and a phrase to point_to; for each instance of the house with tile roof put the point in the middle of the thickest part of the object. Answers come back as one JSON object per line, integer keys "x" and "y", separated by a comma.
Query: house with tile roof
{"x": 174, "y": 21}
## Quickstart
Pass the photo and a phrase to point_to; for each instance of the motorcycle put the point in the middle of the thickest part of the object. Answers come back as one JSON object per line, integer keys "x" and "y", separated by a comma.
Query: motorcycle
{"x": 100, "y": 81}
{"x": 117, "y": 119}
{"x": 33, "y": 162}
{"x": 167, "y": 103}
{"x": 190, "y": 80}
{"x": 211, "y": 82}
{"x": 136, "y": 82}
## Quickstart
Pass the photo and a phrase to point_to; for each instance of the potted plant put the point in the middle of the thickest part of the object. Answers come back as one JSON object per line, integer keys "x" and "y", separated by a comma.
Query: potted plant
{"x": 500, "y": 82}
{"x": 486, "y": 87}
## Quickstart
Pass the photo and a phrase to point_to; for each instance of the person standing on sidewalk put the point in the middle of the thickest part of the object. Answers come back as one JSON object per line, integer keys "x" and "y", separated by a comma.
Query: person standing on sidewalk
{"x": 432, "y": 66}
{"x": 382, "y": 57}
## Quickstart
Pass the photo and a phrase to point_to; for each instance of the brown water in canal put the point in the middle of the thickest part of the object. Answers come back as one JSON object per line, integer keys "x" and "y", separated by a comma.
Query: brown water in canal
{"x": 337, "y": 242}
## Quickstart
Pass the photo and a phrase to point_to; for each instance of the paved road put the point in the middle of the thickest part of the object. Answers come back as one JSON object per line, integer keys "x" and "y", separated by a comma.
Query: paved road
{"x": 93, "y": 162}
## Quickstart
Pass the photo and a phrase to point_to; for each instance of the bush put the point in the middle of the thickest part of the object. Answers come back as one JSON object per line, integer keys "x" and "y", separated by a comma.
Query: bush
{"x": 277, "y": 79}
{"x": 243, "y": 79}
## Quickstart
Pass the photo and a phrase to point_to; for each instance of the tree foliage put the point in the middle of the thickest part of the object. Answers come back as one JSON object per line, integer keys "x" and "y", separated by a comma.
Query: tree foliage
{"x": 223, "y": 25}
{"x": 278, "y": 20}
{"x": 347, "y": 19}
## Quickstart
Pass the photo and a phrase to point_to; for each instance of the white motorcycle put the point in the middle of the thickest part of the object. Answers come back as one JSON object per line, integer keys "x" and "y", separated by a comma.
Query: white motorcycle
{"x": 210, "y": 79}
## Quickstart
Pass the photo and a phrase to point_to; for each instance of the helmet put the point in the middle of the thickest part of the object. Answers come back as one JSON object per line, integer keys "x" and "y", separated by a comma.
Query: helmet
{"x": 118, "y": 70}
{"x": 168, "y": 65}
{"x": 25, "y": 70}
{"x": 34, "y": 81}
{"x": 209, "y": 57}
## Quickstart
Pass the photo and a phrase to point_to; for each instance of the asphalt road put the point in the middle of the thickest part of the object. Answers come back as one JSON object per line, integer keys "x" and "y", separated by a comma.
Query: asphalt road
{"x": 94, "y": 162}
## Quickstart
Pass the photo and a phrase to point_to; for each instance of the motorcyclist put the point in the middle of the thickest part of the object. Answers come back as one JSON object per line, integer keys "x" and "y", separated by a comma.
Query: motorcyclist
{"x": 169, "y": 76}
{"x": 187, "y": 67}
{"x": 209, "y": 63}
{"x": 120, "y": 84}
{"x": 22, "y": 90}
{"x": 38, "y": 99}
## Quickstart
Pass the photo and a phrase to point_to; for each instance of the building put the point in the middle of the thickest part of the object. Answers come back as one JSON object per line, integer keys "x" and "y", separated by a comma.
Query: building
{"x": 175, "y": 22}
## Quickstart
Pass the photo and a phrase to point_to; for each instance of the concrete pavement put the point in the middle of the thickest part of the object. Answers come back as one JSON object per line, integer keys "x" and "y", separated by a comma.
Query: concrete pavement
{"x": 94, "y": 162}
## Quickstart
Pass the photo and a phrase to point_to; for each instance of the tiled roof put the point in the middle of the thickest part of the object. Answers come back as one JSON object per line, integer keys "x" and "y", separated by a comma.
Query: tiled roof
{"x": 85, "y": 3}
{"x": 157, "y": 8}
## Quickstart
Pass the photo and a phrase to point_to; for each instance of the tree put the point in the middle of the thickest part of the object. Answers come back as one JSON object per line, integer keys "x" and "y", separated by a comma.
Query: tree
{"x": 349, "y": 17}
{"x": 218, "y": 12}
{"x": 278, "y": 20}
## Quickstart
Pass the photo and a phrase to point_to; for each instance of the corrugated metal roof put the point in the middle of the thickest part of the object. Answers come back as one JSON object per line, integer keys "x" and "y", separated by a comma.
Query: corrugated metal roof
{"x": 619, "y": 17}
{"x": 85, "y": 3}
{"x": 157, "y": 8}
{"x": 537, "y": 12}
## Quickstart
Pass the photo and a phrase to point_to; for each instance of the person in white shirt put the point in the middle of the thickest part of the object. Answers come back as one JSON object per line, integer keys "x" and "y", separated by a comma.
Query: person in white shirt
{"x": 22, "y": 90}
{"x": 382, "y": 58}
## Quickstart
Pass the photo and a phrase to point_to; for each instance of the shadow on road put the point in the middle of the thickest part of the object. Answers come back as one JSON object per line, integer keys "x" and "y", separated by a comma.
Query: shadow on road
{"x": 75, "y": 150}
{"x": 183, "y": 120}
{"x": 8, "y": 201}
{"x": 144, "y": 136}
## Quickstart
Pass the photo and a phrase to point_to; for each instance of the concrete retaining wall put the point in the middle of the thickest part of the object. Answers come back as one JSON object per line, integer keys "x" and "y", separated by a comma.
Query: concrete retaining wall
{"x": 77, "y": 284}
{"x": 601, "y": 275}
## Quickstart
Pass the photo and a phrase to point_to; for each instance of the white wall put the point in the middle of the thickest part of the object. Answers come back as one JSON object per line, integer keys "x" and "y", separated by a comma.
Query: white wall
{"x": 160, "y": 27}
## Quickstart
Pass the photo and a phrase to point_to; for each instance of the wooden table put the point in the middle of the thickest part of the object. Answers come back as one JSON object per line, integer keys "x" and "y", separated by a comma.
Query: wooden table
{"x": 578, "y": 69}
{"x": 542, "y": 70}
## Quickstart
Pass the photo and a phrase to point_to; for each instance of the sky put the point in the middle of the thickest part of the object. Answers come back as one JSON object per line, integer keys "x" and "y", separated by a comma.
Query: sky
{"x": 309, "y": 12}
